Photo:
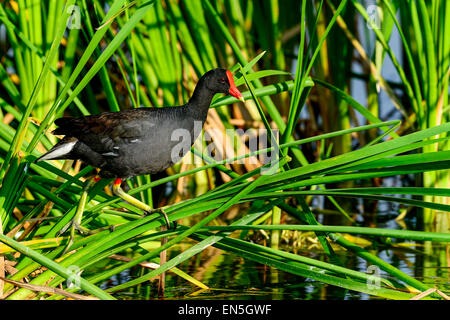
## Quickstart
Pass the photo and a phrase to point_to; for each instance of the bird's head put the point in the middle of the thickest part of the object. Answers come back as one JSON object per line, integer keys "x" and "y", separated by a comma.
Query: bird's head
{"x": 221, "y": 81}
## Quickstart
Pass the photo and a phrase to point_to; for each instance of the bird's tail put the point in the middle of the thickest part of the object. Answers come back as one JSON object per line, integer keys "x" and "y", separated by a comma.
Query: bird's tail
{"x": 61, "y": 150}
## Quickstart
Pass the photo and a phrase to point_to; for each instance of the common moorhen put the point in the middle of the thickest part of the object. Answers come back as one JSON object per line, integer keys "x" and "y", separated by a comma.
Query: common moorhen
{"x": 139, "y": 141}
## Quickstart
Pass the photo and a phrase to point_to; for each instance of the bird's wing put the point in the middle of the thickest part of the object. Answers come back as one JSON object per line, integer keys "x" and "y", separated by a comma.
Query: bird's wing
{"x": 104, "y": 132}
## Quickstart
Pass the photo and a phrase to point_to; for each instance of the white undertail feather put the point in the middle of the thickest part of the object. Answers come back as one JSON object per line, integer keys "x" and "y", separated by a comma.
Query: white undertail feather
{"x": 59, "y": 151}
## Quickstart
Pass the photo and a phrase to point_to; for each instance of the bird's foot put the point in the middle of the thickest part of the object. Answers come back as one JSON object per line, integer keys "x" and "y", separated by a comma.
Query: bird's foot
{"x": 75, "y": 226}
{"x": 166, "y": 218}
{"x": 82, "y": 230}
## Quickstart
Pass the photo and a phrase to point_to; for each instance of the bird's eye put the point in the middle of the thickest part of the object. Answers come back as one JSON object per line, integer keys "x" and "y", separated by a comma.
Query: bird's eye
{"x": 222, "y": 80}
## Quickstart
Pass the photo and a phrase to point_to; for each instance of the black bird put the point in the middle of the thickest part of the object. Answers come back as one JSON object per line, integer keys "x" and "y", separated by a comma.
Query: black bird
{"x": 139, "y": 141}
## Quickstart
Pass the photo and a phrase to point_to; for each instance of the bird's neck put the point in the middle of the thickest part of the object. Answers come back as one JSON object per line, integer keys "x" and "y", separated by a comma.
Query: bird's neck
{"x": 198, "y": 104}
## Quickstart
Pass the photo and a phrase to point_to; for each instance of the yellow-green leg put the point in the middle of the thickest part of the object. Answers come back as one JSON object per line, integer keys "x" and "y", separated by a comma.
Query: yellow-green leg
{"x": 117, "y": 190}
{"x": 76, "y": 221}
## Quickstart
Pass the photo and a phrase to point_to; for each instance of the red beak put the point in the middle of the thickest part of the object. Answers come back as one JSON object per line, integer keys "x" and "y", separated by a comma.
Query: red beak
{"x": 233, "y": 90}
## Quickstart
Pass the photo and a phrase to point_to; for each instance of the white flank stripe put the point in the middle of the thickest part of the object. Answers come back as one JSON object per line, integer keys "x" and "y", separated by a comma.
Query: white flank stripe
{"x": 110, "y": 154}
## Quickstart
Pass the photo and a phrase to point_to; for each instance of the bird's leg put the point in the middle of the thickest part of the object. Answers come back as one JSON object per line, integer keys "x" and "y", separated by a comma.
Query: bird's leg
{"x": 79, "y": 213}
{"x": 76, "y": 221}
{"x": 148, "y": 210}
{"x": 117, "y": 190}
